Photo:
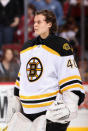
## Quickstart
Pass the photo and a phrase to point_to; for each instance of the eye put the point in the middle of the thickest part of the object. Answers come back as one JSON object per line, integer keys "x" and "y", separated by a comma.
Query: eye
{"x": 39, "y": 22}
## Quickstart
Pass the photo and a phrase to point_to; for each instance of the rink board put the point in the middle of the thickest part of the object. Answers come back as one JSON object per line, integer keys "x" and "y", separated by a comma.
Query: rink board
{"x": 78, "y": 124}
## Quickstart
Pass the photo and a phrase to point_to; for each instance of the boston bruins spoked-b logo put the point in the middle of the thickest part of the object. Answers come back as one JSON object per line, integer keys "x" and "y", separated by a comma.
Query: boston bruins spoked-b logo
{"x": 34, "y": 69}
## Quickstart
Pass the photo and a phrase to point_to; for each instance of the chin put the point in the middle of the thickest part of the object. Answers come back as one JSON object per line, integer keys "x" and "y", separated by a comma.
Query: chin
{"x": 37, "y": 33}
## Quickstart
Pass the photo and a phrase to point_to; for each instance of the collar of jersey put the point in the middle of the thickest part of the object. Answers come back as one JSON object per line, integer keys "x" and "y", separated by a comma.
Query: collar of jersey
{"x": 46, "y": 40}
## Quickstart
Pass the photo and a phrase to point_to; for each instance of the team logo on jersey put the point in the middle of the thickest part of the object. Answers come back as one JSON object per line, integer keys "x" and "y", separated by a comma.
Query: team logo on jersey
{"x": 66, "y": 46}
{"x": 34, "y": 69}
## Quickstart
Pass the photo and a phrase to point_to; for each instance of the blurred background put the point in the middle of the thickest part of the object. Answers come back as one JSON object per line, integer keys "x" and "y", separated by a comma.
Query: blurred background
{"x": 16, "y": 27}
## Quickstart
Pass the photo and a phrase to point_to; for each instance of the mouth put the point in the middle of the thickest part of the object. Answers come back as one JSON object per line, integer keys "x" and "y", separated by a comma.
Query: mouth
{"x": 36, "y": 29}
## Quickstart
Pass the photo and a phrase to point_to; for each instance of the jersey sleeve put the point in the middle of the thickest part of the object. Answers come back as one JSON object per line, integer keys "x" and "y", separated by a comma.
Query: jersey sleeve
{"x": 68, "y": 74}
{"x": 17, "y": 85}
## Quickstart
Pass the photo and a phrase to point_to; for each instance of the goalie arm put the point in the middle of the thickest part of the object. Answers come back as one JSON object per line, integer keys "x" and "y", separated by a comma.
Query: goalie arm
{"x": 17, "y": 86}
{"x": 72, "y": 91}
{"x": 14, "y": 104}
{"x": 69, "y": 78}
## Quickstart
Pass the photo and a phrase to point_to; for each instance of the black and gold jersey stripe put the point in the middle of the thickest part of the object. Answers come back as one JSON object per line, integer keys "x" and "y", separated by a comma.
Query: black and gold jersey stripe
{"x": 70, "y": 83}
{"x": 39, "y": 101}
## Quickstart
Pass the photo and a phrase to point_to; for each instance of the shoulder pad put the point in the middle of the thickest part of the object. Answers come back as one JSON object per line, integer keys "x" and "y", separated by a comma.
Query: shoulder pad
{"x": 63, "y": 47}
{"x": 28, "y": 44}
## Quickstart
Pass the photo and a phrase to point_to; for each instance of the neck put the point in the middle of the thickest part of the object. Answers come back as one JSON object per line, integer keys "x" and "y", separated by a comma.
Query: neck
{"x": 6, "y": 65}
{"x": 5, "y": 62}
{"x": 44, "y": 35}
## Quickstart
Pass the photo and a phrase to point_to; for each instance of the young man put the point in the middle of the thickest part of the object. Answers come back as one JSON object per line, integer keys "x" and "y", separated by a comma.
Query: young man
{"x": 49, "y": 81}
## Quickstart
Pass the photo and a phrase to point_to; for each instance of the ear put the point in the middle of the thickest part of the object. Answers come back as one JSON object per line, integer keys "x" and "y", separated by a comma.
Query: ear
{"x": 49, "y": 24}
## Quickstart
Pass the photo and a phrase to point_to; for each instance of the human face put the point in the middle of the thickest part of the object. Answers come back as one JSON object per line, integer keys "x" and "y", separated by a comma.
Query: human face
{"x": 30, "y": 12}
{"x": 8, "y": 55}
{"x": 41, "y": 27}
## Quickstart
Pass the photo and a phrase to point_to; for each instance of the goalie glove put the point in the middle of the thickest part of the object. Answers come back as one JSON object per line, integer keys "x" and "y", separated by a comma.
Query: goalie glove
{"x": 64, "y": 109}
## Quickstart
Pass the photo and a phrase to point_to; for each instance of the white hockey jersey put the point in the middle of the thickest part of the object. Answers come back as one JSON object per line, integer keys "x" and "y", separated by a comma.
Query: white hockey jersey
{"x": 47, "y": 68}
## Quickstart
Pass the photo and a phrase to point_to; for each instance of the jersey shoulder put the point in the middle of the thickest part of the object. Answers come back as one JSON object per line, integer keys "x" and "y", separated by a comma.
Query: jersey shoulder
{"x": 28, "y": 44}
{"x": 62, "y": 46}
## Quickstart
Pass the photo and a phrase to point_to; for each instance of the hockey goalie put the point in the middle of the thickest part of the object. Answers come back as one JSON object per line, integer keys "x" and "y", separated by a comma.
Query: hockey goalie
{"x": 49, "y": 85}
